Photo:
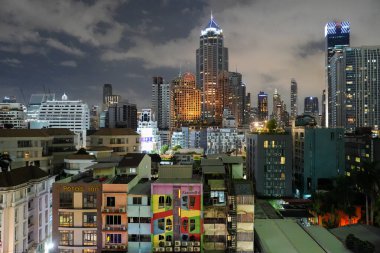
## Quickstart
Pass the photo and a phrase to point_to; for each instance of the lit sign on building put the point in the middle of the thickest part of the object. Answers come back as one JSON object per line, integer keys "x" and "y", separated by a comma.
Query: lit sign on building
{"x": 147, "y": 140}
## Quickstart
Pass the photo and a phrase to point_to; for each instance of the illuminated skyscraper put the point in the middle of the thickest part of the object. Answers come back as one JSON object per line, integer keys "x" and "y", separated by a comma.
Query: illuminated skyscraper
{"x": 211, "y": 59}
{"x": 262, "y": 106}
{"x": 186, "y": 104}
{"x": 337, "y": 37}
{"x": 293, "y": 99}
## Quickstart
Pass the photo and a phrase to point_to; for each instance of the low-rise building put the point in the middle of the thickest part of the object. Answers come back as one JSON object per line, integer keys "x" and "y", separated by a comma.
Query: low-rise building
{"x": 12, "y": 115}
{"x": 121, "y": 140}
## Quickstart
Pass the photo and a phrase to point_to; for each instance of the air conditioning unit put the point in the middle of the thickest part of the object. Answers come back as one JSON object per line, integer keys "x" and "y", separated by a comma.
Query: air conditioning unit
{"x": 115, "y": 246}
{"x": 122, "y": 210}
{"x": 197, "y": 244}
{"x": 156, "y": 249}
{"x": 106, "y": 210}
{"x": 197, "y": 249}
{"x": 177, "y": 249}
{"x": 124, "y": 246}
{"x": 177, "y": 243}
{"x": 183, "y": 249}
{"x": 108, "y": 228}
{"x": 191, "y": 243}
{"x": 190, "y": 249}
{"x": 168, "y": 244}
{"x": 184, "y": 244}
{"x": 162, "y": 249}
{"x": 169, "y": 249}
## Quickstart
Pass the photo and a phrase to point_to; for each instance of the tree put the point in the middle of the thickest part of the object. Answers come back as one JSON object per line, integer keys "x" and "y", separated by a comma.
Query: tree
{"x": 82, "y": 151}
{"x": 5, "y": 162}
{"x": 271, "y": 125}
{"x": 176, "y": 147}
{"x": 367, "y": 182}
{"x": 164, "y": 148}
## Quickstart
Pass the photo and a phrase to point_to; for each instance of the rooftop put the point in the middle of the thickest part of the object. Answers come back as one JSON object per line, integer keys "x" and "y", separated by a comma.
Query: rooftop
{"x": 114, "y": 132}
{"x": 80, "y": 157}
{"x": 361, "y": 231}
{"x": 243, "y": 187}
{"x": 21, "y": 175}
{"x": 142, "y": 188}
{"x": 131, "y": 160}
{"x": 175, "y": 171}
{"x": 58, "y": 131}
{"x": 277, "y": 235}
{"x": 23, "y": 133}
{"x": 99, "y": 148}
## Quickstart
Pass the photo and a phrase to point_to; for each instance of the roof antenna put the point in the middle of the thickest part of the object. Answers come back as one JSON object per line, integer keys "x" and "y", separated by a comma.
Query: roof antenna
{"x": 211, "y": 16}
{"x": 180, "y": 70}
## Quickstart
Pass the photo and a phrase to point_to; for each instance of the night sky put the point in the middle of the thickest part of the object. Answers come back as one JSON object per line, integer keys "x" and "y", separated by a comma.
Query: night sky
{"x": 77, "y": 46}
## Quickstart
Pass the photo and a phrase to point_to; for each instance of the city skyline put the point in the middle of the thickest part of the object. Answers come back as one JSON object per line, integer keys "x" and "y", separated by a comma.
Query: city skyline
{"x": 65, "y": 52}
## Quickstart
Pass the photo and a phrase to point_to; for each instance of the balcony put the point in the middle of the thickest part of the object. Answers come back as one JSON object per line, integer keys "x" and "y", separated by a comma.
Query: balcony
{"x": 119, "y": 209}
{"x": 116, "y": 247}
{"x": 115, "y": 228}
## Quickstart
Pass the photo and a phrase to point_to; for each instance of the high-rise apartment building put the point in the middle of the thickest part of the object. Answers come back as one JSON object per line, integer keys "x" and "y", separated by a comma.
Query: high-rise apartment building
{"x": 262, "y": 99}
{"x": 122, "y": 114}
{"x": 211, "y": 59}
{"x": 337, "y": 37}
{"x": 186, "y": 104}
{"x": 293, "y": 99}
{"x": 324, "y": 101}
{"x": 354, "y": 77}
{"x": 270, "y": 163}
{"x": 161, "y": 102}
{"x": 311, "y": 105}
{"x": 64, "y": 113}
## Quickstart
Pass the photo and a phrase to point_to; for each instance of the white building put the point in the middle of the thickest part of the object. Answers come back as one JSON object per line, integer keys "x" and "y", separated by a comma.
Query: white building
{"x": 224, "y": 140}
{"x": 12, "y": 115}
{"x": 25, "y": 210}
{"x": 70, "y": 114}
{"x": 147, "y": 129}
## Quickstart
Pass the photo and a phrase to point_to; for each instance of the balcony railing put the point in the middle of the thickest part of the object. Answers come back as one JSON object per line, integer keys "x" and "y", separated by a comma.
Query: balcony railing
{"x": 119, "y": 209}
{"x": 115, "y": 228}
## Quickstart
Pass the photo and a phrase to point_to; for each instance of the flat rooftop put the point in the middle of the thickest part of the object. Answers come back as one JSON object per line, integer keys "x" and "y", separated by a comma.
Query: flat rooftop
{"x": 279, "y": 236}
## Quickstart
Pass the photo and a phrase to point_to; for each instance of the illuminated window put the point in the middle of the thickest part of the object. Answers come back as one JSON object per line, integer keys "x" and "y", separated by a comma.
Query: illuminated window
{"x": 357, "y": 159}
{"x": 366, "y": 155}
{"x": 348, "y": 157}
{"x": 282, "y": 176}
{"x": 66, "y": 219}
{"x": 266, "y": 144}
{"x": 273, "y": 144}
{"x": 192, "y": 225}
{"x": 66, "y": 237}
{"x": 89, "y": 237}
{"x": 282, "y": 159}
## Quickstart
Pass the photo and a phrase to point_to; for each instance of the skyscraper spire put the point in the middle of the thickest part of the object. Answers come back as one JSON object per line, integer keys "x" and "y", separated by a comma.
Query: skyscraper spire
{"x": 211, "y": 17}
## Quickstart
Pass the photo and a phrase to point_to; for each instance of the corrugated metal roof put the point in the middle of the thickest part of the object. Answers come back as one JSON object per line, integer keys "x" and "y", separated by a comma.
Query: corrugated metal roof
{"x": 213, "y": 169}
{"x": 216, "y": 184}
{"x": 115, "y": 132}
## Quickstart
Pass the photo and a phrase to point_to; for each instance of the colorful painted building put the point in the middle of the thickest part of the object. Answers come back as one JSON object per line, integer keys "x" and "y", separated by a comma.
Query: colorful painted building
{"x": 177, "y": 223}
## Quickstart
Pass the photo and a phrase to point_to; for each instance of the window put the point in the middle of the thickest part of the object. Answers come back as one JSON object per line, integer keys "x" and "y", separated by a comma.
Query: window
{"x": 24, "y": 144}
{"x": 137, "y": 200}
{"x": 144, "y": 219}
{"x": 16, "y": 215}
{"x": 266, "y": 144}
{"x": 89, "y": 220}
{"x": 161, "y": 224}
{"x": 133, "y": 219}
{"x": 168, "y": 201}
{"x": 89, "y": 251}
{"x": 185, "y": 223}
{"x": 100, "y": 141}
{"x": 113, "y": 238}
{"x": 89, "y": 237}
{"x": 133, "y": 238}
{"x": 113, "y": 219}
{"x": 66, "y": 251}
{"x": 161, "y": 202}
{"x": 66, "y": 238}
{"x": 66, "y": 219}
{"x": 89, "y": 200}
{"x": 192, "y": 225}
{"x": 66, "y": 200}
{"x": 110, "y": 201}
{"x": 192, "y": 202}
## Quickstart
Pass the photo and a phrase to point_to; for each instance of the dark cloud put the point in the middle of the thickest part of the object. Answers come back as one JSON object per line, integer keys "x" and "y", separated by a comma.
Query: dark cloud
{"x": 74, "y": 46}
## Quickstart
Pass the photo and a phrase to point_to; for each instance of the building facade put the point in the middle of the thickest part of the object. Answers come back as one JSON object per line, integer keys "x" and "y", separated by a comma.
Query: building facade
{"x": 122, "y": 115}
{"x": 293, "y": 99}
{"x": 262, "y": 100}
{"x": 318, "y": 155}
{"x": 211, "y": 59}
{"x": 12, "y": 115}
{"x": 161, "y": 102}
{"x": 25, "y": 216}
{"x": 337, "y": 37}
{"x": 269, "y": 163}
{"x": 311, "y": 106}
{"x": 64, "y": 113}
{"x": 224, "y": 140}
{"x": 354, "y": 77}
